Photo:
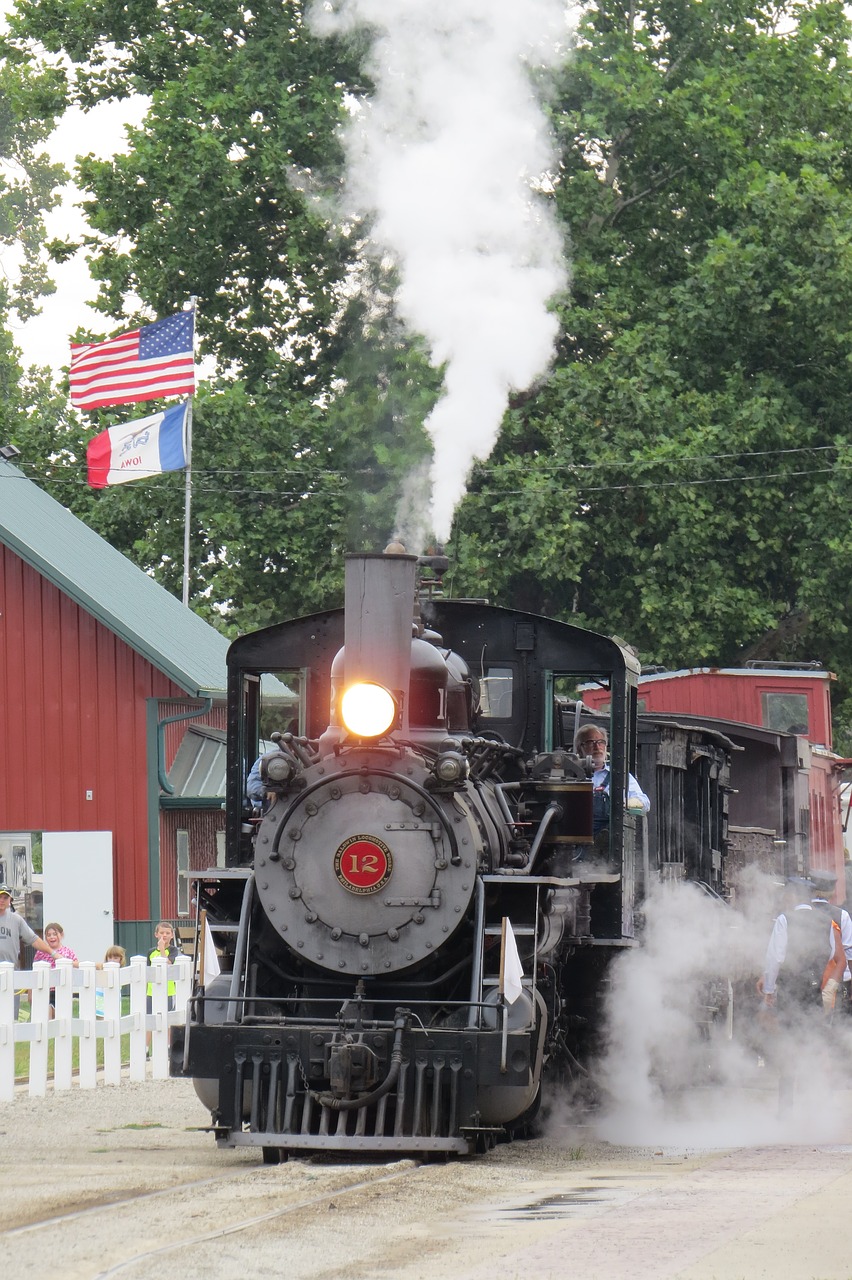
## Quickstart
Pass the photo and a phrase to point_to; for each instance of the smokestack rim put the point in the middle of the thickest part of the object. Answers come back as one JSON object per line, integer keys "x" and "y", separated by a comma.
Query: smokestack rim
{"x": 380, "y": 555}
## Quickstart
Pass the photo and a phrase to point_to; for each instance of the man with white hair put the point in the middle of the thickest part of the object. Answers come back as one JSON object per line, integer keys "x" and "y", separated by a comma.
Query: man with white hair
{"x": 593, "y": 740}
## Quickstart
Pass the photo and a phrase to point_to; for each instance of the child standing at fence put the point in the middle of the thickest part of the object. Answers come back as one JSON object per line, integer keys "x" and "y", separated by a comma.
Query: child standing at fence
{"x": 114, "y": 955}
{"x": 55, "y": 937}
{"x": 166, "y": 949}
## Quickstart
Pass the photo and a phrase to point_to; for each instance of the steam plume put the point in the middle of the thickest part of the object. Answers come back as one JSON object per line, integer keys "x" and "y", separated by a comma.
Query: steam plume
{"x": 447, "y": 155}
{"x": 672, "y": 1077}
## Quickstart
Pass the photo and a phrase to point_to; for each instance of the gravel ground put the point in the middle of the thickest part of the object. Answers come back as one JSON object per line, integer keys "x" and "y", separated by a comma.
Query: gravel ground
{"x": 566, "y": 1205}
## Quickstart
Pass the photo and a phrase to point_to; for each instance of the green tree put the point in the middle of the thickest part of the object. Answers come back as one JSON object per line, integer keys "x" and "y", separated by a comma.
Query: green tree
{"x": 304, "y": 432}
{"x": 682, "y": 477}
{"x": 30, "y": 100}
{"x": 218, "y": 194}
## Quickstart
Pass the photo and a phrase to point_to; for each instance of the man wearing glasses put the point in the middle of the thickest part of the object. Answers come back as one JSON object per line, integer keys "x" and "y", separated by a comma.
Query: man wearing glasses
{"x": 592, "y": 740}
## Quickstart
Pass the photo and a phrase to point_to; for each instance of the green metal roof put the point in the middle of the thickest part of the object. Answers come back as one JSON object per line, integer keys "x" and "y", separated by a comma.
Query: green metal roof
{"x": 110, "y": 587}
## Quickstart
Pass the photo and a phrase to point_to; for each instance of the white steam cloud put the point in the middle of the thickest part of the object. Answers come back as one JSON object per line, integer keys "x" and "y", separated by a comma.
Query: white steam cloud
{"x": 673, "y": 1075}
{"x": 447, "y": 156}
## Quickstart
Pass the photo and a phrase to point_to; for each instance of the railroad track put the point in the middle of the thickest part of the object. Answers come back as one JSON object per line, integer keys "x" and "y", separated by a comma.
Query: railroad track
{"x": 127, "y": 1234}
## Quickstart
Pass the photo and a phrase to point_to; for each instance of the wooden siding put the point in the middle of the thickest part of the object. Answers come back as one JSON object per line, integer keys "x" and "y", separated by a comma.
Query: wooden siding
{"x": 202, "y": 825}
{"x": 73, "y": 720}
{"x": 826, "y": 842}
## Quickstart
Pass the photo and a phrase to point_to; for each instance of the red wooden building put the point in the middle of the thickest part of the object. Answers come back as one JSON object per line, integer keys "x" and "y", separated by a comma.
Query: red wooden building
{"x": 111, "y": 707}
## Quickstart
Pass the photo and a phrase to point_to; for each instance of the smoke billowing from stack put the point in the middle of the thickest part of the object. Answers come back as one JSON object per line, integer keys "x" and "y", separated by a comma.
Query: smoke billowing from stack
{"x": 446, "y": 155}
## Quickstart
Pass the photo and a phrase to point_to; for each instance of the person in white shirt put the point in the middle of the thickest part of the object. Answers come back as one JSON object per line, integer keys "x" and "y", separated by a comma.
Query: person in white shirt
{"x": 805, "y": 958}
{"x": 13, "y": 931}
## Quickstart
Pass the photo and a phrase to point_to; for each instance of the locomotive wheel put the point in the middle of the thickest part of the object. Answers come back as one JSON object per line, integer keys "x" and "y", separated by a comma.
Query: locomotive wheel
{"x": 275, "y": 1155}
{"x": 485, "y": 1142}
{"x": 527, "y": 1125}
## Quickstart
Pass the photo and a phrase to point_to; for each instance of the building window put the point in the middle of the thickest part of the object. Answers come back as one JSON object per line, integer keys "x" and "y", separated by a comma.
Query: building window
{"x": 182, "y": 848}
{"x": 785, "y": 712}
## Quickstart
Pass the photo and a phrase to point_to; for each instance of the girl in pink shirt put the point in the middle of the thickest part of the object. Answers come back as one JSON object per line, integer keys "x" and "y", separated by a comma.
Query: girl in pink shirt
{"x": 54, "y": 936}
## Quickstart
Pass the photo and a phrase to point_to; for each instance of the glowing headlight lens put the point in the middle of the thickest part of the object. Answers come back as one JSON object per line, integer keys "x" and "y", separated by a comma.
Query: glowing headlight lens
{"x": 367, "y": 710}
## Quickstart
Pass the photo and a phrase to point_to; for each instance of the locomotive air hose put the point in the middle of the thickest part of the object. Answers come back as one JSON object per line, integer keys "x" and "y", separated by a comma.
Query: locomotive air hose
{"x": 402, "y": 1021}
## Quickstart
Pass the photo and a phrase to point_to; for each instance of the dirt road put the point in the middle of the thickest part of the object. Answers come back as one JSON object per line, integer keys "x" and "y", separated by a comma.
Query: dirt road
{"x": 122, "y": 1183}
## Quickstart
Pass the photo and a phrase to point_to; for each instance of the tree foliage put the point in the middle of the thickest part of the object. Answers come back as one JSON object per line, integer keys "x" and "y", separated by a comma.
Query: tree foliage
{"x": 681, "y": 477}
{"x": 218, "y": 194}
{"x": 315, "y": 409}
{"x": 30, "y": 99}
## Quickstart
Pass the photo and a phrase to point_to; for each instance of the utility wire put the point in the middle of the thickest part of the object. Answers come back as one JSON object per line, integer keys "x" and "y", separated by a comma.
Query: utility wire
{"x": 482, "y": 469}
{"x": 73, "y": 477}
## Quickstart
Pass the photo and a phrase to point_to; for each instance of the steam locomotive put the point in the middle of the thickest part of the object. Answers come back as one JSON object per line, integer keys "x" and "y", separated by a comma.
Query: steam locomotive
{"x": 415, "y": 934}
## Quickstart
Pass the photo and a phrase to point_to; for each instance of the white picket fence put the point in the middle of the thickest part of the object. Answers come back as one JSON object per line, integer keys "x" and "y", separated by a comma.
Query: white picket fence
{"x": 98, "y": 994}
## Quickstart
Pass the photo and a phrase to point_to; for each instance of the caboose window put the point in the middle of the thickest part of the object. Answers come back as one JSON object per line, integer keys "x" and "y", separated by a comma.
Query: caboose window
{"x": 785, "y": 712}
{"x": 495, "y": 693}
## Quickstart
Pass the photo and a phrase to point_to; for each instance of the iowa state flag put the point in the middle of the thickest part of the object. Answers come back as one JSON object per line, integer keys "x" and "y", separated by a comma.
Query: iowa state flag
{"x": 140, "y": 449}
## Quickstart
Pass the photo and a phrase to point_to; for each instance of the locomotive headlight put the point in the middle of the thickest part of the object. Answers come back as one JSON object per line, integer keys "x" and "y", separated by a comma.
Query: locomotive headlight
{"x": 450, "y": 767}
{"x": 368, "y": 710}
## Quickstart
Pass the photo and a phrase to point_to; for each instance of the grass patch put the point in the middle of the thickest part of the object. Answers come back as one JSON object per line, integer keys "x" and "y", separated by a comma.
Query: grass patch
{"x": 22, "y": 1050}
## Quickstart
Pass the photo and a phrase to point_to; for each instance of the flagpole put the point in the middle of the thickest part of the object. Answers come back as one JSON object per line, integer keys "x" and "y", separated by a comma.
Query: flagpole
{"x": 202, "y": 946}
{"x": 187, "y": 494}
{"x": 187, "y": 503}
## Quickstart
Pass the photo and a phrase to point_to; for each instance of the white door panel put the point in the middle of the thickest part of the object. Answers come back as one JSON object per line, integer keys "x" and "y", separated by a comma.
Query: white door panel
{"x": 78, "y": 889}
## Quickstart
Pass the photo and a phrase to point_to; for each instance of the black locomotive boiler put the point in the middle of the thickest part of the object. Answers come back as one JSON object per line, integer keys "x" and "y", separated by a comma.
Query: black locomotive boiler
{"x": 425, "y": 808}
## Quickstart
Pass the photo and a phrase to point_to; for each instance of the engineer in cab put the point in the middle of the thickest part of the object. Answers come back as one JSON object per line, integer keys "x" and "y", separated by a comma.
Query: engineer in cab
{"x": 592, "y": 740}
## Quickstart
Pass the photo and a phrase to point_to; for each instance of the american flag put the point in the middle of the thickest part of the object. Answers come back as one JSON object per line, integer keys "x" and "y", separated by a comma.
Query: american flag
{"x": 144, "y": 364}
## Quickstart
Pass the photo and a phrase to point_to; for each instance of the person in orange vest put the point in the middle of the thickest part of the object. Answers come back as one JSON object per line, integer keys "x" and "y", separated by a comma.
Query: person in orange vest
{"x": 825, "y": 883}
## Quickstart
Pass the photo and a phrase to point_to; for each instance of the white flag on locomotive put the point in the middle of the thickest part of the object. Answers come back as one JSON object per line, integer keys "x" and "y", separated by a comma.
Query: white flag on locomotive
{"x": 210, "y": 960}
{"x": 511, "y": 969}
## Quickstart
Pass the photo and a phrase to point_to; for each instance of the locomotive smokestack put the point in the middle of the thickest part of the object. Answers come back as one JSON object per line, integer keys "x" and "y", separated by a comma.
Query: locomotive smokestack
{"x": 380, "y": 592}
